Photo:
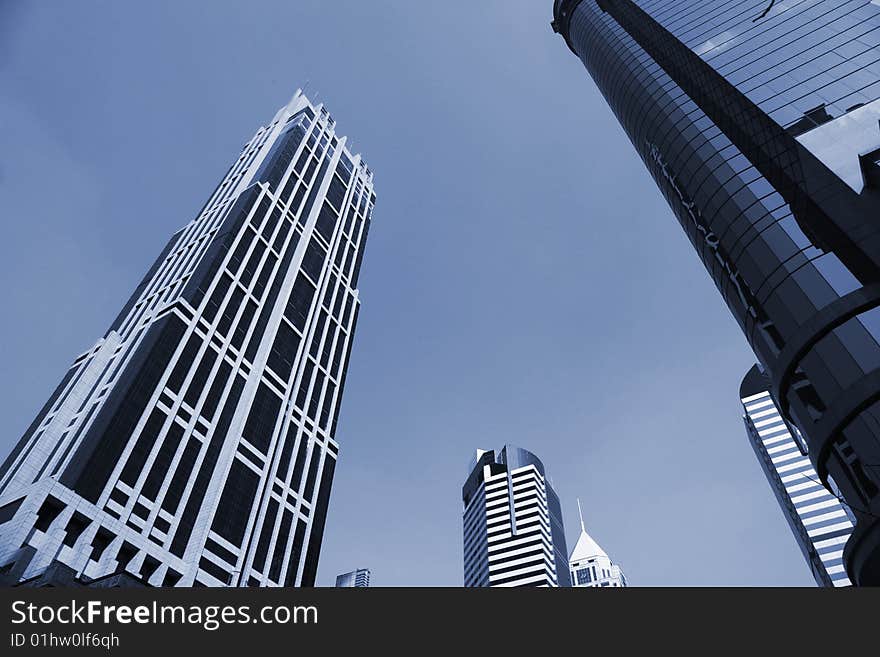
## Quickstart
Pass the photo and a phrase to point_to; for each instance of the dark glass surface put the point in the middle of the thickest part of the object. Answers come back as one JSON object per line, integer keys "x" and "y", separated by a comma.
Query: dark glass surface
{"x": 310, "y": 565}
{"x": 279, "y": 158}
{"x": 101, "y": 449}
{"x": 234, "y": 508}
{"x": 162, "y": 462}
{"x": 791, "y": 249}
{"x": 265, "y": 535}
{"x": 200, "y": 486}
{"x": 262, "y": 417}
{"x": 181, "y": 475}
{"x": 280, "y": 545}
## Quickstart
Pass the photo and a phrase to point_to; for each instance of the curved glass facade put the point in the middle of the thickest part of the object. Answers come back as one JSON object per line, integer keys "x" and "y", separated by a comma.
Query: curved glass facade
{"x": 736, "y": 109}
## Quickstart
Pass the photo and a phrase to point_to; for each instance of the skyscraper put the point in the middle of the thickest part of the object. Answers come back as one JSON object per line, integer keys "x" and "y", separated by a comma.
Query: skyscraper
{"x": 195, "y": 443}
{"x": 359, "y": 578}
{"x": 820, "y": 523}
{"x": 759, "y": 123}
{"x": 590, "y": 565}
{"x": 513, "y": 532}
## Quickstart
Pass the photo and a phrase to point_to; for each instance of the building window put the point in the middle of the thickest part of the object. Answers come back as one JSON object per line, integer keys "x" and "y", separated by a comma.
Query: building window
{"x": 583, "y": 576}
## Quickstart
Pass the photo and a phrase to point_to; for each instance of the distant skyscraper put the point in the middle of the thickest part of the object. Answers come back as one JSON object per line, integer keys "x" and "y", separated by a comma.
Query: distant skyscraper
{"x": 195, "y": 443}
{"x": 820, "y": 523}
{"x": 759, "y": 123}
{"x": 513, "y": 533}
{"x": 359, "y": 578}
{"x": 589, "y": 563}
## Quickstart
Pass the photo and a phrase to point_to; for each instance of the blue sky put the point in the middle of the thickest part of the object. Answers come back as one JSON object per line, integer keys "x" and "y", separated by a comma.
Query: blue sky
{"x": 524, "y": 281}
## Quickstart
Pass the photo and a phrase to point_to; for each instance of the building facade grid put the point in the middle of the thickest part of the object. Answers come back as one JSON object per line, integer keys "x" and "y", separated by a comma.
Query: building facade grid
{"x": 195, "y": 444}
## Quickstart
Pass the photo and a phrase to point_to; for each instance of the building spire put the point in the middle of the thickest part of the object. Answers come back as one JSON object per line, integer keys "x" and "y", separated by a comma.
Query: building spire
{"x": 581, "y": 515}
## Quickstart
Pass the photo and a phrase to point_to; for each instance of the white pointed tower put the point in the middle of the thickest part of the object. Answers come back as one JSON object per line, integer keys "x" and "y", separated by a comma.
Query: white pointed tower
{"x": 590, "y": 565}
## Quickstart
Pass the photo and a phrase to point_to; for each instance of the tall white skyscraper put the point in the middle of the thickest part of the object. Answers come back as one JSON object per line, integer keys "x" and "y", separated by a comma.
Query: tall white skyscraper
{"x": 590, "y": 565}
{"x": 195, "y": 443}
{"x": 513, "y": 532}
{"x": 820, "y": 523}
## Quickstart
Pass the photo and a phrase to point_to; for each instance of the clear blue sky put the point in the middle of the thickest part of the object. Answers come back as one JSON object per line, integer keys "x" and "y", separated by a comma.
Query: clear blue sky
{"x": 524, "y": 281}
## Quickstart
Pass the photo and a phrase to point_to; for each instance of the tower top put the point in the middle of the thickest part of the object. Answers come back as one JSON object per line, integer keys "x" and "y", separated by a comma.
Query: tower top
{"x": 586, "y": 547}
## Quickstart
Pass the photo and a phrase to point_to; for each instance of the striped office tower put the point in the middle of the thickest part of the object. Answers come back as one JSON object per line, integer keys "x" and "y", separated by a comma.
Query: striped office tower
{"x": 194, "y": 444}
{"x": 820, "y": 523}
{"x": 513, "y": 532}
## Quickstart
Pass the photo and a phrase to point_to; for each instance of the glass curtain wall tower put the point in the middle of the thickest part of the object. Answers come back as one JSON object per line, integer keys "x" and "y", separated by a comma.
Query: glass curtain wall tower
{"x": 195, "y": 443}
{"x": 759, "y": 122}
{"x": 513, "y": 531}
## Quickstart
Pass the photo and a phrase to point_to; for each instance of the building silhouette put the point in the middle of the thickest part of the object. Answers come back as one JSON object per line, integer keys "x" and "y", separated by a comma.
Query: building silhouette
{"x": 513, "y": 531}
{"x": 359, "y": 578}
{"x": 759, "y": 125}
{"x": 590, "y": 565}
{"x": 195, "y": 443}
